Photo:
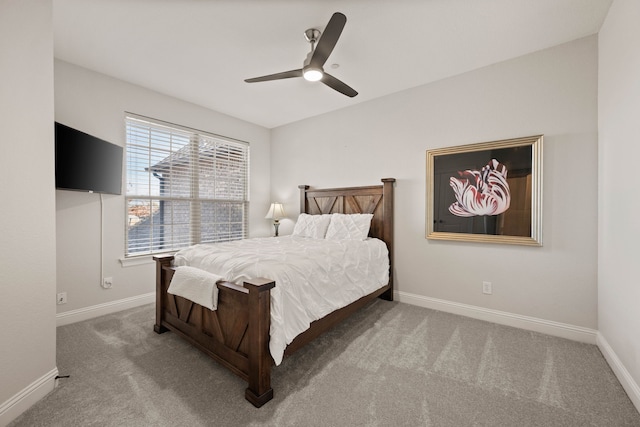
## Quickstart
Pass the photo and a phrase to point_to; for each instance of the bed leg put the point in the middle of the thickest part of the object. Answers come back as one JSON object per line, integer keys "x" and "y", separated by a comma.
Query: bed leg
{"x": 259, "y": 391}
{"x": 387, "y": 295}
{"x": 258, "y": 401}
{"x": 159, "y": 329}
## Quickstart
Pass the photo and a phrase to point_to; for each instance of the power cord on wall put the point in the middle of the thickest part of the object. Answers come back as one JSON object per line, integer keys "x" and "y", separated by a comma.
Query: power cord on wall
{"x": 103, "y": 281}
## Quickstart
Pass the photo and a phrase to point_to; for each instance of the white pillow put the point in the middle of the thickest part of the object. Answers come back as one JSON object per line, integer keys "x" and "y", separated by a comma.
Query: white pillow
{"x": 314, "y": 226}
{"x": 349, "y": 226}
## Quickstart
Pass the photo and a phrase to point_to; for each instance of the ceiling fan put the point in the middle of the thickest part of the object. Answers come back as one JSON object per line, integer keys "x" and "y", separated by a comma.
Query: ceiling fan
{"x": 312, "y": 66}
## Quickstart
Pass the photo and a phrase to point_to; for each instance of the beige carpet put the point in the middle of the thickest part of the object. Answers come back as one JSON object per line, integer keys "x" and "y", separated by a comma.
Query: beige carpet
{"x": 391, "y": 364}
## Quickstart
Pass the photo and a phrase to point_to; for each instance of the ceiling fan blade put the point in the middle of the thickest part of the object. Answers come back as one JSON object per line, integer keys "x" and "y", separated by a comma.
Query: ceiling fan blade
{"x": 276, "y": 76}
{"x": 336, "y": 84}
{"x": 328, "y": 40}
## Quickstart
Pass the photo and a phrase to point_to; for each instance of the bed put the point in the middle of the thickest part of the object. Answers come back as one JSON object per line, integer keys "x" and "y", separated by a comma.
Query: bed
{"x": 237, "y": 332}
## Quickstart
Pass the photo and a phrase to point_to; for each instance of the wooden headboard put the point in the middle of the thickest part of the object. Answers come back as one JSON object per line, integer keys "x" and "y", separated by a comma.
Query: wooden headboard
{"x": 376, "y": 199}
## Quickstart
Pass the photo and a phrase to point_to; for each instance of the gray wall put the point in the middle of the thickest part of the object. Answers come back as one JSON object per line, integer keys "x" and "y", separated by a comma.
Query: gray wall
{"x": 551, "y": 92}
{"x": 619, "y": 228}
{"x": 27, "y": 215}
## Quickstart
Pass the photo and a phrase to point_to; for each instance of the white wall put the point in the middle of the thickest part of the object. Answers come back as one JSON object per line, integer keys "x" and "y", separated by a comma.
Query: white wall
{"x": 551, "y": 92}
{"x": 619, "y": 228}
{"x": 27, "y": 215}
{"x": 96, "y": 104}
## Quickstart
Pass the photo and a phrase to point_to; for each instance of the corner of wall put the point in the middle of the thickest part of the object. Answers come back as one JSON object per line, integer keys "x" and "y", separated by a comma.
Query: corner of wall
{"x": 621, "y": 372}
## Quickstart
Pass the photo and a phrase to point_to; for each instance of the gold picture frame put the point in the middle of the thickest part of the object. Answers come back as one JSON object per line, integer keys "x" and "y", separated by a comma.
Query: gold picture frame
{"x": 488, "y": 192}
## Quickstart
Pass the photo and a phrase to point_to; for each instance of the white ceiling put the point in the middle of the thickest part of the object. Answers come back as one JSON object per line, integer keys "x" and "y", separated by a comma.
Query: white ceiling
{"x": 202, "y": 50}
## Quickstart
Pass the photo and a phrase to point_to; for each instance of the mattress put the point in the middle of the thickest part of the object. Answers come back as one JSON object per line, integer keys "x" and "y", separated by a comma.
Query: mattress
{"x": 313, "y": 276}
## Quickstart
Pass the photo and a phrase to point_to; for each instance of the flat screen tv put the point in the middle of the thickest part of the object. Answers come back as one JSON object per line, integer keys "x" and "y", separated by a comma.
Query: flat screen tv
{"x": 87, "y": 163}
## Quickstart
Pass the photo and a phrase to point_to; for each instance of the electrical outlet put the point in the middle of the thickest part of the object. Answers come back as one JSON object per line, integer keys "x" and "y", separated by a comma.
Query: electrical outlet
{"x": 61, "y": 298}
{"x": 107, "y": 282}
{"x": 486, "y": 288}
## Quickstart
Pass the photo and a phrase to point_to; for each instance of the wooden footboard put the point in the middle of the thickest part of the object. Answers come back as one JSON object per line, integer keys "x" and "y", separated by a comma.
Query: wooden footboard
{"x": 236, "y": 334}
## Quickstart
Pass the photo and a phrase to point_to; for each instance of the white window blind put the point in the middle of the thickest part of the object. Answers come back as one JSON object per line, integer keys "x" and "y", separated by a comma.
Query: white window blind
{"x": 183, "y": 187}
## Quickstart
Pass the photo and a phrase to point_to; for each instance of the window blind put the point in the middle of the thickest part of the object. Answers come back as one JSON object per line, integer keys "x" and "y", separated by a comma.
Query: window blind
{"x": 183, "y": 187}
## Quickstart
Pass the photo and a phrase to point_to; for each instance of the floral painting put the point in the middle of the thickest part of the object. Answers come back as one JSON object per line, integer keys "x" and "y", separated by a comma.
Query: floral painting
{"x": 487, "y": 192}
{"x": 483, "y": 192}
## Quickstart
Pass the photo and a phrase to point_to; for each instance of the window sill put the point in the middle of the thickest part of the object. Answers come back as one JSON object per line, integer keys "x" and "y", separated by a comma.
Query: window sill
{"x": 134, "y": 261}
{"x": 142, "y": 259}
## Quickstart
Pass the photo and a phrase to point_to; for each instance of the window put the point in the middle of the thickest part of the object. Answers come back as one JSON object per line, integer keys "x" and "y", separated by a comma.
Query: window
{"x": 183, "y": 187}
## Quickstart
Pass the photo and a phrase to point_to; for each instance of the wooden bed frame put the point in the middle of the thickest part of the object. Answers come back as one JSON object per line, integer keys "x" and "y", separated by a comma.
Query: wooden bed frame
{"x": 237, "y": 333}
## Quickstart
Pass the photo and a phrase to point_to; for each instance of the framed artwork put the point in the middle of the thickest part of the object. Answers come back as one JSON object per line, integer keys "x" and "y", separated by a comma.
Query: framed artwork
{"x": 487, "y": 192}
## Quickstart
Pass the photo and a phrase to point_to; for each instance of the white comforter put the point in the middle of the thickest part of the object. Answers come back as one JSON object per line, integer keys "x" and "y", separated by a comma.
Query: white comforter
{"x": 313, "y": 276}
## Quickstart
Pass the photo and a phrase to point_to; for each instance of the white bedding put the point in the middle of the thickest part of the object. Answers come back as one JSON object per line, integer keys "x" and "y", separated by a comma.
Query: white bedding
{"x": 313, "y": 276}
{"x": 196, "y": 285}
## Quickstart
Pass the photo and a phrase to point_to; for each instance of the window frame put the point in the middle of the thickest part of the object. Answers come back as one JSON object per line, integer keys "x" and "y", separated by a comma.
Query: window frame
{"x": 203, "y": 149}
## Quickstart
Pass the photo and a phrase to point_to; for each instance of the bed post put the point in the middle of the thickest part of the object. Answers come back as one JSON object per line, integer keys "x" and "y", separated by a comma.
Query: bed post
{"x": 387, "y": 197}
{"x": 303, "y": 198}
{"x": 259, "y": 391}
{"x": 161, "y": 262}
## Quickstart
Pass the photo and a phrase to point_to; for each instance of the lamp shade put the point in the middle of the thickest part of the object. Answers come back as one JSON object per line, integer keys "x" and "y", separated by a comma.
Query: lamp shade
{"x": 276, "y": 211}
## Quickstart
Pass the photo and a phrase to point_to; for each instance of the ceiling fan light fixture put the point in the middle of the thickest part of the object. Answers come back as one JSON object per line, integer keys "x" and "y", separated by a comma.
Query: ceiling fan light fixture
{"x": 312, "y": 74}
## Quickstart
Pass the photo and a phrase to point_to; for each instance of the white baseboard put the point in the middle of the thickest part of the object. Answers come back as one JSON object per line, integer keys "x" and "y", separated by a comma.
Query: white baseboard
{"x": 12, "y": 408}
{"x": 86, "y": 313}
{"x": 625, "y": 378}
{"x": 563, "y": 330}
